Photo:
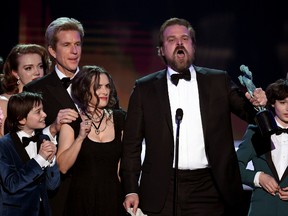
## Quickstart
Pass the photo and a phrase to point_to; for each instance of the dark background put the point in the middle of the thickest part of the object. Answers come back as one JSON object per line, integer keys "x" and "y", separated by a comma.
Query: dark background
{"x": 121, "y": 36}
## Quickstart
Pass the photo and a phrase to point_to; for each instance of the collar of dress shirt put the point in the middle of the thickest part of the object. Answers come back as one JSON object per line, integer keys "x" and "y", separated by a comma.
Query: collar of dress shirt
{"x": 170, "y": 71}
{"x": 61, "y": 75}
{"x": 278, "y": 124}
{"x": 24, "y": 134}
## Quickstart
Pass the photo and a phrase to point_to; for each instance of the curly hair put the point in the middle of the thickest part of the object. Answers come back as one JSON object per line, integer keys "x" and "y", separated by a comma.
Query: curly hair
{"x": 9, "y": 81}
{"x": 81, "y": 83}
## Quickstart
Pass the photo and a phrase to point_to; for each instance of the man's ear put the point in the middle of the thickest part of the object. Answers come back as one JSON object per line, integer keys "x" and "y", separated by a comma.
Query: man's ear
{"x": 161, "y": 53}
{"x": 52, "y": 51}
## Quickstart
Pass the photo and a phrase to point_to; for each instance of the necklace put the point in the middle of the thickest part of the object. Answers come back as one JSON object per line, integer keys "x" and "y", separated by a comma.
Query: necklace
{"x": 97, "y": 128}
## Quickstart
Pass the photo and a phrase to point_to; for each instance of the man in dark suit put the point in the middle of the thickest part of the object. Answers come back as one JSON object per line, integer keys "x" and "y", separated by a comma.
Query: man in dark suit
{"x": 208, "y": 178}
{"x": 64, "y": 38}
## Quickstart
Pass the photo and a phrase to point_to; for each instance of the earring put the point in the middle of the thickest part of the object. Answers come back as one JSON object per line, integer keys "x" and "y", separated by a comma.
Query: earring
{"x": 18, "y": 81}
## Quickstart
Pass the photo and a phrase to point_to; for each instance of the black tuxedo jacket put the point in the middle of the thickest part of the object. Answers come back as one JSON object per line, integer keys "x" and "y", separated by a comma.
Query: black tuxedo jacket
{"x": 149, "y": 118}
{"x": 54, "y": 94}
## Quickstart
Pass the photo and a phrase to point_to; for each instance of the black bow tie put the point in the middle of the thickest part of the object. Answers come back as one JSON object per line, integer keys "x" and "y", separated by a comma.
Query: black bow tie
{"x": 185, "y": 75}
{"x": 281, "y": 130}
{"x": 27, "y": 140}
{"x": 66, "y": 81}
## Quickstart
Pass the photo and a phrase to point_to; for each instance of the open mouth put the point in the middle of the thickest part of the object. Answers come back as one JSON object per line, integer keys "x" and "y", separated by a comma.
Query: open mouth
{"x": 180, "y": 53}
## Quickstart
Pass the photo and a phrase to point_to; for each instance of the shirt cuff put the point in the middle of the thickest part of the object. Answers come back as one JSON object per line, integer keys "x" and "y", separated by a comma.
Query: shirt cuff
{"x": 47, "y": 132}
{"x": 41, "y": 161}
{"x": 52, "y": 162}
{"x": 256, "y": 179}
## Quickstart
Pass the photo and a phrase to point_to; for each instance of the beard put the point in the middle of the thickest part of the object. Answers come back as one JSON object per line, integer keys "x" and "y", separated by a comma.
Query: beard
{"x": 180, "y": 64}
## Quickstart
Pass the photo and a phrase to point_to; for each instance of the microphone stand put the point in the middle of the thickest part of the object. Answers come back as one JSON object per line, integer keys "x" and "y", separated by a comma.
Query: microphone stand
{"x": 179, "y": 115}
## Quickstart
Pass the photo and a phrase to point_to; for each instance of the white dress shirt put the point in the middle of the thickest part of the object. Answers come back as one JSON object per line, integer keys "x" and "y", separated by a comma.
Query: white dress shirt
{"x": 61, "y": 75}
{"x": 191, "y": 139}
{"x": 279, "y": 154}
{"x": 31, "y": 150}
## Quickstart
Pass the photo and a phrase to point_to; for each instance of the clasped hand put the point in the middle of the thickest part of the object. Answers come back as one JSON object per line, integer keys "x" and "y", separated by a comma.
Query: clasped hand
{"x": 272, "y": 187}
{"x": 47, "y": 150}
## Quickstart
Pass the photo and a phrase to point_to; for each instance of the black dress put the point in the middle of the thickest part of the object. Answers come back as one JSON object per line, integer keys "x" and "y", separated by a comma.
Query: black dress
{"x": 95, "y": 188}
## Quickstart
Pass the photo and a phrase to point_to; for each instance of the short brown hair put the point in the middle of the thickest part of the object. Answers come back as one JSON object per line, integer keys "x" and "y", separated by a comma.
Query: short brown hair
{"x": 19, "y": 105}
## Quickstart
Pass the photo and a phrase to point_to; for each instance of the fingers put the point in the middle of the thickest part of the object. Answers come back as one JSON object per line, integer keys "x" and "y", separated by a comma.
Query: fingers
{"x": 269, "y": 183}
{"x": 66, "y": 116}
{"x": 259, "y": 97}
{"x": 283, "y": 193}
{"x": 47, "y": 150}
{"x": 85, "y": 128}
{"x": 131, "y": 201}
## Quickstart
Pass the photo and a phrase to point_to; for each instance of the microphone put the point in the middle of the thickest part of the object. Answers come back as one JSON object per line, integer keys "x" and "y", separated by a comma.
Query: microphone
{"x": 42, "y": 137}
{"x": 179, "y": 114}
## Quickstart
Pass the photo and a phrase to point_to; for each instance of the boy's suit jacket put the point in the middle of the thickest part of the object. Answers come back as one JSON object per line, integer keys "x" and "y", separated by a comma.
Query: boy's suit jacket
{"x": 23, "y": 181}
{"x": 262, "y": 203}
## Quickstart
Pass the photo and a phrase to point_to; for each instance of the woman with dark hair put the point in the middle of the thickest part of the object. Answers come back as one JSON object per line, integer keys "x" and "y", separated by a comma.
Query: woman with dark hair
{"x": 25, "y": 62}
{"x": 92, "y": 151}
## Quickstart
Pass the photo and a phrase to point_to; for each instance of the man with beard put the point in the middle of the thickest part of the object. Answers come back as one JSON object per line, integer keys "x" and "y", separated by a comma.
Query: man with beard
{"x": 207, "y": 173}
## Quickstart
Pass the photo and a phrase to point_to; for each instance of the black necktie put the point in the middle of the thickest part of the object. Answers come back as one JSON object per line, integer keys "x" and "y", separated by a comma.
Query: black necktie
{"x": 281, "y": 130}
{"x": 27, "y": 140}
{"x": 185, "y": 75}
{"x": 66, "y": 81}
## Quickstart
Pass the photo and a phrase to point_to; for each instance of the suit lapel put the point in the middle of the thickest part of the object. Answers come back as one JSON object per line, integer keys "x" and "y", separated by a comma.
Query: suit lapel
{"x": 61, "y": 95}
{"x": 204, "y": 96}
{"x": 20, "y": 149}
{"x": 271, "y": 165}
{"x": 161, "y": 89}
{"x": 285, "y": 174}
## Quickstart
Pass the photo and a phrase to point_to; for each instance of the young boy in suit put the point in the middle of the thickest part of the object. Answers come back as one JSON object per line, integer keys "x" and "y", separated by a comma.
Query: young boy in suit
{"x": 269, "y": 178}
{"x": 27, "y": 160}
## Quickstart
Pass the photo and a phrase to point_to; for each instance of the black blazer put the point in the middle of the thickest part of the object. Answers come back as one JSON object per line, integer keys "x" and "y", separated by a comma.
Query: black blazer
{"x": 149, "y": 117}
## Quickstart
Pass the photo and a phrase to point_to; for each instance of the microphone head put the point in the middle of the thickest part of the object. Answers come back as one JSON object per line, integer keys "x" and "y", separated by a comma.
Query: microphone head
{"x": 179, "y": 114}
